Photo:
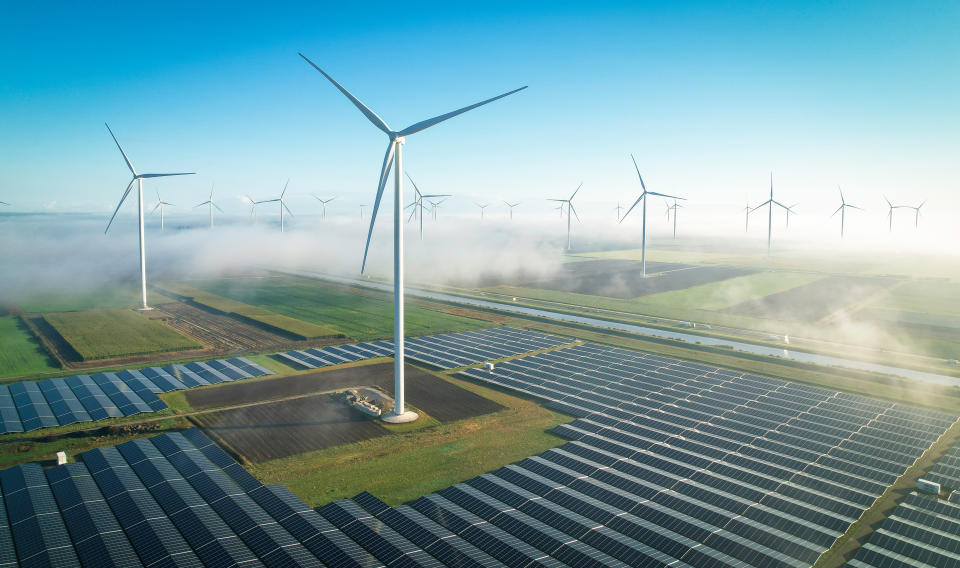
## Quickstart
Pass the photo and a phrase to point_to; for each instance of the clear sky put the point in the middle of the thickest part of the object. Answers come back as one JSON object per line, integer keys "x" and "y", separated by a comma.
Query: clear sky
{"x": 709, "y": 96}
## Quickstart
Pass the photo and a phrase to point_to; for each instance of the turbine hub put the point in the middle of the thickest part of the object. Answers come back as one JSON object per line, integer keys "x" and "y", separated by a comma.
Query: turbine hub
{"x": 400, "y": 140}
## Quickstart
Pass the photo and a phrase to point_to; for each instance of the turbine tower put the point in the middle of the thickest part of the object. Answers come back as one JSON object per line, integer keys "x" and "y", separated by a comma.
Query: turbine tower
{"x": 771, "y": 202}
{"x": 395, "y": 153}
{"x": 323, "y": 205}
{"x": 283, "y": 205}
{"x": 569, "y": 204}
{"x": 842, "y": 210}
{"x": 160, "y": 204}
{"x": 511, "y": 206}
{"x": 617, "y": 209}
{"x": 643, "y": 234}
{"x": 138, "y": 179}
{"x": 209, "y": 202}
{"x": 746, "y": 226}
{"x": 418, "y": 202}
{"x": 362, "y": 205}
{"x": 482, "y": 207}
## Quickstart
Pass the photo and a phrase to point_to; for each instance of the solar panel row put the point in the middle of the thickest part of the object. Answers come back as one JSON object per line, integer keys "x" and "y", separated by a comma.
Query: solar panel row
{"x": 922, "y": 531}
{"x": 706, "y": 466}
{"x": 27, "y": 406}
{"x": 446, "y": 350}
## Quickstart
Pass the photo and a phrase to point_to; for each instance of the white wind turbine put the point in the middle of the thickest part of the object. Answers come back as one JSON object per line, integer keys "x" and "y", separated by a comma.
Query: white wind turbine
{"x": 323, "y": 205}
{"x": 674, "y": 208}
{"x": 434, "y": 205}
{"x": 771, "y": 202}
{"x": 160, "y": 205}
{"x": 617, "y": 209}
{"x": 643, "y": 234}
{"x": 283, "y": 205}
{"x": 138, "y": 179}
{"x": 916, "y": 210}
{"x": 209, "y": 202}
{"x": 395, "y": 153}
{"x": 570, "y": 209}
{"x": 746, "y": 214}
{"x": 789, "y": 211}
{"x": 418, "y": 202}
{"x": 511, "y": 206}
{"x": 842, "y": 210}
{"x": 253, "y": 207}
{"x": 362, "y": 205}
{"x": 890, "y": 211}
{"x": 482, "y": 207}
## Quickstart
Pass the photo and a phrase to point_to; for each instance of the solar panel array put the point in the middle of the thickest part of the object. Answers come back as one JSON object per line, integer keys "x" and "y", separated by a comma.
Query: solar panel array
{"x": 704, "y": 466}
{"x": 445, "y": 350}
{"x": 27, "y": 406}
{"x": 923, "y": 530}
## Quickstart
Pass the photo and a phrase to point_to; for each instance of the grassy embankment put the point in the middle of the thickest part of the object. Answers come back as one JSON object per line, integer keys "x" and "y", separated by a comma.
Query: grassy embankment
{"x": 296, "y": 327}
{"x": 116, "y": 332}
{"x": 360, "y": 314}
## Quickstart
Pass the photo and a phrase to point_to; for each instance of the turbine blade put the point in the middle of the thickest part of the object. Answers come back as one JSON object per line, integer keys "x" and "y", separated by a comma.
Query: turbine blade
{"x": 842, "y": 200}
{"x": 412, "y": 213}
{"x": 384, "y": 173}
{"x": 855, "y": 207}
{"x": 155, "y": 208}
{"x": 125, "y": 194}
{"x": 632, "y": 206}
{"x": 575, "y": 213}
{"x": 200, "y": 204}
{"x": 436, "y": 195}
{"x": 837, "y": 211}
{"x": 287, "y": 208}
{"x": 665, "y": 195}
{"x": 371, "y": 116}
{"x": 417, "y": 189}
{"x": 268, "y": 200}
{"x": 636, "y": 167}
{"x": 125, "y": 158}
{"x": 424, "y": 124}
{"x": 282, "y": 193}
{"x": 575, "y": 191}
{"x": 217, "y": 206}
{"x": 166, "y": 175}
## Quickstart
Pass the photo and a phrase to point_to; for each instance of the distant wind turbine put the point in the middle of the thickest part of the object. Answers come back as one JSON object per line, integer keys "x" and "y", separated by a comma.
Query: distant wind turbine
{"x": 418, "y": 202}
{"x": 160, "y": 205}
{"x": 890, "y": 211}
{"x": 395, "y": 153}
{"x": 674, "y": 208}
{"x": 253, "y": 207}
{"x": 916, "y": 210}
{"x": 361, "y": 210}
{"x": 842, "y": 210}
{"x": 323, "y": 205}
{"x": 283, "y": 204}
{"x": 747, "y": 216}
{"x": 434, "y": 205}
{"x": 643, "y": 238}
{"x": 618, "y": 208}
{"x": 482, "y": 207}
{"x": 138, "y": 179}
{"x": 789, "y": 211}
{"x": 209, "y": 202}
{"x": 511, "y": 206}
{"x": 771, "y": 202}
{"x": 569, "y": 203}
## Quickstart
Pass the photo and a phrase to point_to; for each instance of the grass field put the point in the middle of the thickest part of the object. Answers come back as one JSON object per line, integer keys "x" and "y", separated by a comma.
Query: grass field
{"x": 99, "y": 298}
{"x": 296, "y": 327}
{"x": 116, "y": 332}
{"x": 20, "y": 353}
{"x": 363, "y": 315}
{"x": 403, "y": 466}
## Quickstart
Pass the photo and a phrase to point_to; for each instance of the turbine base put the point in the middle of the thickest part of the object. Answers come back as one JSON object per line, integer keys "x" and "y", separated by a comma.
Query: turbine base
{"x": 143, "y": 309}
{"x": 408, "y": 416}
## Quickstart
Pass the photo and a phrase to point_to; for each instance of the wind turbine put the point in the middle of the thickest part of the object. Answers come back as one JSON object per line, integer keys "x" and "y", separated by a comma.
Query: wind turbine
{"x": 362, "y": 205}
{"x": 747, "y": 215}
{"x": 253, "y": 207}
{"x": 674, "y": 208}
{"x": 482, "y": 207}
{"x": 643, "y": 238}
{"x": 434, "y": 205}
{"x": 771, "y": 202}
{"x": 570, "y": 209}
{"x": 789, "y": 211}
{"x": 892, "y": 207}
{"x": 418, "y": 202}
{"x": 843, "y": 210}
{"x": 560, "y": 208}
{"x": 511, "y": 206}
{"x": 618, "y": 208}
{"x": 282, "y": 204}
{"x": 323, "y": 204}
{"x": 138, "y": 179}
{"x": 395, "y": 153}
{"x": 916, "y": 210}
{"x": 667, "y": 205}
{"x": 209, "y": 202}
{"x": 161, "y": 204}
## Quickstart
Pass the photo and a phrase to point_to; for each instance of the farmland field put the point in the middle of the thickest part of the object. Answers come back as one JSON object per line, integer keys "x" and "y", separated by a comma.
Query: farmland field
{"x": 98, "y": 298}
{"x": 360, "y": 314}
{"x": 438, "y": 398}
{"x": 117, "y": 332}
{"x": 20, "y": 353}
{"x": 814, "y": 301}
{"x": 288, "y": 427}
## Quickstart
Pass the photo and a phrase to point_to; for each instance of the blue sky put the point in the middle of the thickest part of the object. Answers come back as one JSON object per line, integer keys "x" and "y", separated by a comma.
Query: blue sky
{"x": 710, "y": 97}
